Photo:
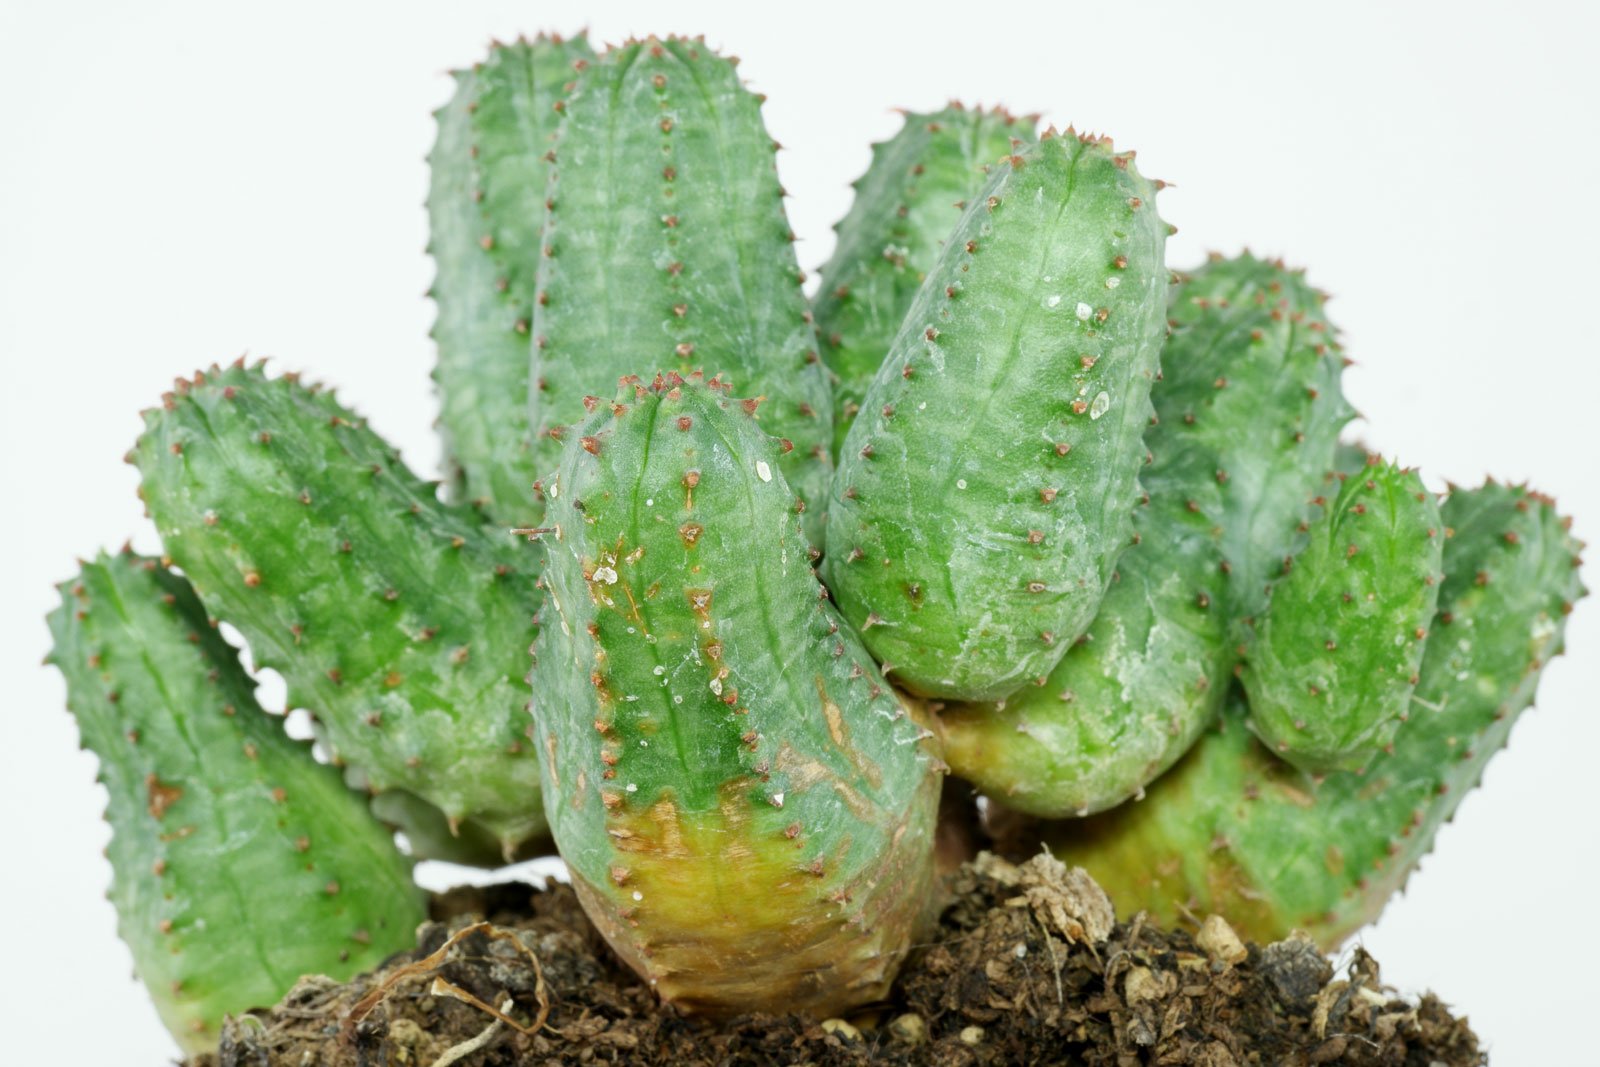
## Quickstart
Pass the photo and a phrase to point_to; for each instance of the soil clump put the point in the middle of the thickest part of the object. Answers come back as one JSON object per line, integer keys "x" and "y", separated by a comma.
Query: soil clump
{"x": 1026, "y": 966}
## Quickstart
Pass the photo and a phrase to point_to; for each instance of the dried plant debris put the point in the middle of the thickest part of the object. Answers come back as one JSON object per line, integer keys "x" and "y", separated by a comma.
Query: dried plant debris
{"x": 1026, "y": 966}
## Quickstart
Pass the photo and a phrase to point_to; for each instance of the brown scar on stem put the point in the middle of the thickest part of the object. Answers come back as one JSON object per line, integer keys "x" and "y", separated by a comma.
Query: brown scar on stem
{"x": 550, "y": 751}
{"x": 161, "y": 796}
{"x": 804, "y": 772}
{"x": 831, "y": 712}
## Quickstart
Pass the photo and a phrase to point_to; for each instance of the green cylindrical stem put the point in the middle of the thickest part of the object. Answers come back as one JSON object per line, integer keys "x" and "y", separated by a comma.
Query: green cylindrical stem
{"x": 399, "y": 622}
{"x": 746, "y": 806}
{"x": 1334, "y": 657}
{"x": 1269, "y": 411}
{"x": 1134, "y": 693}
{"x": 485, "y": 205}
{"x": 666, "y": 247}
{"x": 1132, "y": 696}
{"x": 988, "y": 487}
{"x": 1235, "y": 831}
{"x": 239, "y": 863}
{"x": 906, "y": 206}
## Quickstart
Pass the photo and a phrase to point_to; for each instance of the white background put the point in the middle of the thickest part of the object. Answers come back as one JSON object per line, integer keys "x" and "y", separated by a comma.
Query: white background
{"x": 181, "y": 183}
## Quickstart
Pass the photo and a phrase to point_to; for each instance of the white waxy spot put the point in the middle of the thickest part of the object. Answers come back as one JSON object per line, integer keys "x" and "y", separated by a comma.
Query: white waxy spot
{"x": 637, "y": 895}
{"x": 660, "y": 670}
{"x": 961, "y": 483}
{"x": 677, "y": 698}
{"x": 777, "y": 800}
{"x": 632, "y": 787}
{"x": 1053, "y": 300}
{"x": 1101, "y": 402}
{"x": 1113, "y": 281}
{"x": 605, "y": 574}
{"x": 555, "y": 490}
{"x": 631, "y": 630}
{"x": 1084, "y": 311}
{"x": 649, "y": 501}
{"x": 716, "y": 686}
{"x": 922, "y": 406}
{"x": 565, "y": 628}
{"x": 763, "y": 471}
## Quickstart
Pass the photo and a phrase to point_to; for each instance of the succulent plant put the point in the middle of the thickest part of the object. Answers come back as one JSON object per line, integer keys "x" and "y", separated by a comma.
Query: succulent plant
{"x": 491, "y": 168}
{"x": 746, "y": 806}
{"x": 664, "y": 245}
{"x": 1334, "y": 655}
{"x": 240, "y": 863}
{"x": 906, "y": 205}
{"x": 1235, "y": 831}
{"x": 1072, "y": 503}
{"x": 400, "y": 622}
{"x": 977, "y": 513}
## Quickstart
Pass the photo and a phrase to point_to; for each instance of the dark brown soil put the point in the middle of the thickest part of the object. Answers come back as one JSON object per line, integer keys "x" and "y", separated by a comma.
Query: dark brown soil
{"x": 1026, "y": 967}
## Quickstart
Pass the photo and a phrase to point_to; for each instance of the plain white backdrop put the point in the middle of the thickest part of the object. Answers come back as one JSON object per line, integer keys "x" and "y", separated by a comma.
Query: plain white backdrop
{"x": 182, "y": 183}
